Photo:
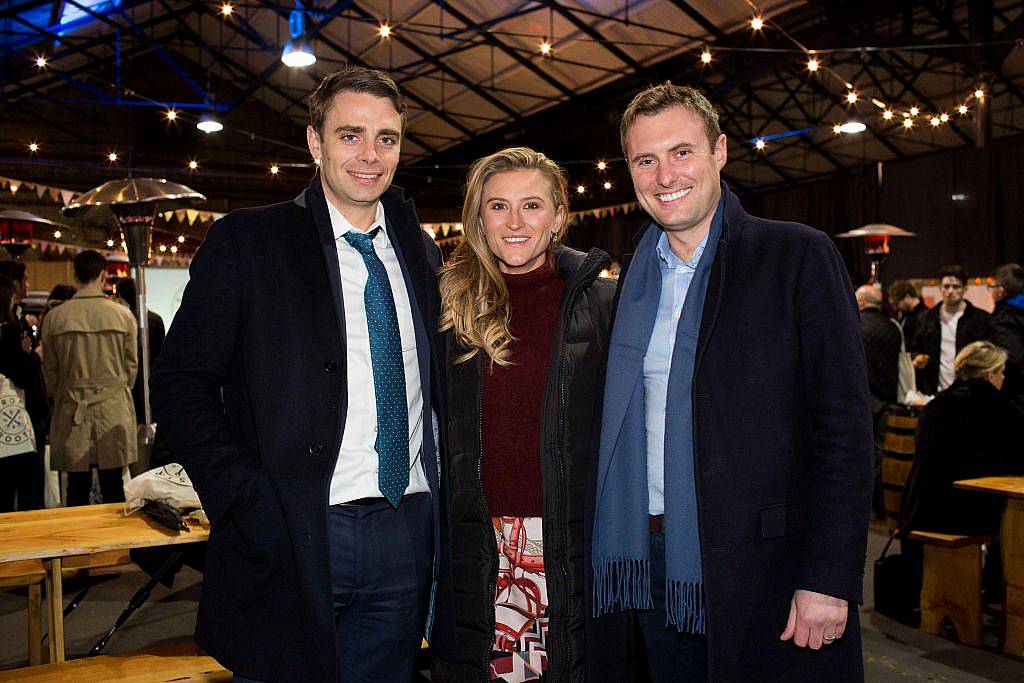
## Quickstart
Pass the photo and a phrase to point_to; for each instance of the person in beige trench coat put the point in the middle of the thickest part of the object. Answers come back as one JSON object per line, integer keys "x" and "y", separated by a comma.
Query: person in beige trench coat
{"x": 90, "y": 361}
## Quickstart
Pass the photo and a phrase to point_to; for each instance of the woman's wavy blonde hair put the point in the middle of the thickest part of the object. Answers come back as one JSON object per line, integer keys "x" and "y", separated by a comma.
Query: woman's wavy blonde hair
{"x": 978, "y": 359}
{"x": 474, "y": 297}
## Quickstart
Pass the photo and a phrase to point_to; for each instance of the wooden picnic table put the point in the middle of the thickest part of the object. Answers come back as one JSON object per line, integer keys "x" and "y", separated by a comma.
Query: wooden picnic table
{"x": 1011, "y": 539}
{"x": 56, "y": 534}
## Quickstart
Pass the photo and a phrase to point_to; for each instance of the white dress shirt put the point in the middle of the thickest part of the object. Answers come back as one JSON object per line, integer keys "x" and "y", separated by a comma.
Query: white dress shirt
{"x": 947, "y": 348}
{"x": 355, "y": 473}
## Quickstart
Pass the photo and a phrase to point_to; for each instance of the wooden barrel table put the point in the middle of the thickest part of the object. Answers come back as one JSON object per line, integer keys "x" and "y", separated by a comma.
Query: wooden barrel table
{"x": 900, "y": 445}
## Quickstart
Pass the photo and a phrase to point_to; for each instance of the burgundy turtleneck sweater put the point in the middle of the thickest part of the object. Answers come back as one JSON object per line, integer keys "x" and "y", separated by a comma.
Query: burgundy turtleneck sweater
{"x": 510, "y": 472}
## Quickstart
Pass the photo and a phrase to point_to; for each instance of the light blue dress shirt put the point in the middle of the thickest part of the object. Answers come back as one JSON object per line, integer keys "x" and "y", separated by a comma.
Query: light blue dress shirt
{"x": 676, "y": 276}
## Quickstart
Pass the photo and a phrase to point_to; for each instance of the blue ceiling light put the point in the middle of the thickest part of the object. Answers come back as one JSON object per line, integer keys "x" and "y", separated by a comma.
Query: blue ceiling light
{"x": 297, "y": 52}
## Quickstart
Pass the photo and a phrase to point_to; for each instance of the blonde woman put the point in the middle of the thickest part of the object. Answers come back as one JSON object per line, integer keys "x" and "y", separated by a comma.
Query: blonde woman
{"x": 527, "y": 321}
{"x": 969, "y": 430}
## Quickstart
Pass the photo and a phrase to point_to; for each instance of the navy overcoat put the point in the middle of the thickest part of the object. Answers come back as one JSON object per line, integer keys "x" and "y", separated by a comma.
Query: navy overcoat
{"x": 251, "y": 390}
{"x": 783, "y": 447}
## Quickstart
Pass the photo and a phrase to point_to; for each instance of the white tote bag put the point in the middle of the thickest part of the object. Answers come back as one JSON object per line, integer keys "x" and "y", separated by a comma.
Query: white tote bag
{"x": 907, "y": 380}
{"x": 16, "y": 433}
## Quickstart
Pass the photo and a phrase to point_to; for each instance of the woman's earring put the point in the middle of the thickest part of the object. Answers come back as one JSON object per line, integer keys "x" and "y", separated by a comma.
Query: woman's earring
{"x": 554, "y": 237}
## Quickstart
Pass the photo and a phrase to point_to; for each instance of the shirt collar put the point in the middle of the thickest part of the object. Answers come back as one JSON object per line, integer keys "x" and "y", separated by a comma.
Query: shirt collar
{"x": 341, "y": 225}
{"x": 669, "y": 257}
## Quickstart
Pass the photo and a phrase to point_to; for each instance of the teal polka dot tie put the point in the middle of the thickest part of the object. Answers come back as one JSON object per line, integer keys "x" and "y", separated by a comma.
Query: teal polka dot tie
{"x": 392, "y": 443}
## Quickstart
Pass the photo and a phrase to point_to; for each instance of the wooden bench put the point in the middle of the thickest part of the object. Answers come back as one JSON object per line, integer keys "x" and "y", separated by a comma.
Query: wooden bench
{"x": 951, "y": 585}
{"x": 180, "y": 662}
{"x": 30, "y": 573}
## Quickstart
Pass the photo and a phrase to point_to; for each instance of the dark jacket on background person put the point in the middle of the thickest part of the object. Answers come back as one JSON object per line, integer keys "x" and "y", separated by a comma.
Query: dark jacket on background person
{"x": 973, "y": 326}
{"x": 568, "y": 424}
{"x": 912, "y": 320}
{"x": 782, "y": 446}
{"x": 882, "y": 343}
{"x": 969, "y": 430}
{"x": 251, "y": 389}
{"x": 1008, "y": 332}
{"x": 24, "y": 369}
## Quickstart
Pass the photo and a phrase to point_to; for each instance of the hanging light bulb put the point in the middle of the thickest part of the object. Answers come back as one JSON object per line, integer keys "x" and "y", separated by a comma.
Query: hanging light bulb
{"x": 174, "y": 249}
{"x": 112, "y": 157}
{"x": 163, "y": 247}
{"x": 171, "y": 115}
{"x": 837, "y": 129}
{"x": 227, "y": 9}
{"x": 705, "y": 56}
{"x": 33, "y": 147}
{"x": 607, "y": 185}
{"x": 41, "y": 62}
{"x": 297, "y": 52}
{"x": 908, "y": 123}
{"x": 181, "y": 239}
{"x": 384, "y": 30}
{"x": 110, "y": 243}
{"x": 759, "y": 143}
{"x": 581, "y": 189}
{"x": 545, "y": 47}
{"x": 944, "y": 117}
{"x": 56, "y": 234}
{"x": 601, "y": 166}
{"x": 274, "y": 169}
{"x": 979, "y": 93}
{"x": 914, "y": 111}
{"x": 851, "y": 97}
{"x": 962, "y": 109}
{"x": 208, "y": 123}
{"x": 887, "y": 114}
{"x": 193, "y": 165}
{"x": 757, "y": 23}
{"x": 812, "y": 64}
{"x": 934, "y": 121}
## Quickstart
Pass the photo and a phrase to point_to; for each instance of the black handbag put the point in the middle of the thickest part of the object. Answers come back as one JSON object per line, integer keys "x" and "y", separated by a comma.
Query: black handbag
{"x": 898, "y": 581}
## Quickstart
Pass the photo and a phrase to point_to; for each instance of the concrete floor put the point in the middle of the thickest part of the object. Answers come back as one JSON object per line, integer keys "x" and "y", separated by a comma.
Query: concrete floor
{"x": 892, "y": 651}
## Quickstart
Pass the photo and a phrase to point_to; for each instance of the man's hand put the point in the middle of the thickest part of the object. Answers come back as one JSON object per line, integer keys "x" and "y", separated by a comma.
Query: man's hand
{"x": 815, "y": 618}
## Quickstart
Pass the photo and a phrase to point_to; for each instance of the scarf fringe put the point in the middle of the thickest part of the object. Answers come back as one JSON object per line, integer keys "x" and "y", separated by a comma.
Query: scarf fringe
{"x": 684, "y": 605}
{"x": 622, "y": 583}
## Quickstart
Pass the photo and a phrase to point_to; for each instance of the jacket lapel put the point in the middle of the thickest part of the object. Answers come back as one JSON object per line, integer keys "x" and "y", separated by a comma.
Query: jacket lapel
{"x": 314, "y": 200}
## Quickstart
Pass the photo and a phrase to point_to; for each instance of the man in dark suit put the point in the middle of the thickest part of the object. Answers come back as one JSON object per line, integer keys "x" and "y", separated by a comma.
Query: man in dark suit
{"x": 734, "y": 479}
{"x": 944, "y": 330}
{"x": 882, "y": 342}
{"x": 300, "y": 387}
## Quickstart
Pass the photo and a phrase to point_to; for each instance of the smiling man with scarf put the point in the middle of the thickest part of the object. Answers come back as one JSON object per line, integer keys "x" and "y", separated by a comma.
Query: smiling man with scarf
{"x": 735, "y": 469}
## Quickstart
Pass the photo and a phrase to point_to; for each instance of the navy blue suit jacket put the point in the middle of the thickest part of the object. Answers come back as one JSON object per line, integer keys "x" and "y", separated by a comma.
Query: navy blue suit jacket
{"x": 250, "y": 387}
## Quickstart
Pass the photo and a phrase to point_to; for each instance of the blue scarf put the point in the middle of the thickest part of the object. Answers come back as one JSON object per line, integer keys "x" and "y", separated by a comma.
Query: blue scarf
{"x": 621, "y": 552}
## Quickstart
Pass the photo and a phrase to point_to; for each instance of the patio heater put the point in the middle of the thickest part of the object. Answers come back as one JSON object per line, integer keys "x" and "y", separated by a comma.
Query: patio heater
{"x": 16, "y": 230}
{"x": 135, "y": 203}
{"x": 876, "y": 244}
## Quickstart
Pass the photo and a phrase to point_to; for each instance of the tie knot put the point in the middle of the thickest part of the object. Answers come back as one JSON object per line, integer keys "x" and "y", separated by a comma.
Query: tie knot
{"x": 361, "y": 241}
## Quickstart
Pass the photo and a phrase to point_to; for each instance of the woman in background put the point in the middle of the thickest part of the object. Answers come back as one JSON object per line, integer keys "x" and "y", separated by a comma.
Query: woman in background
{"x": 969, "y": 430}
{"x": 528, "y": 322}
{"x": 21, "y": 475}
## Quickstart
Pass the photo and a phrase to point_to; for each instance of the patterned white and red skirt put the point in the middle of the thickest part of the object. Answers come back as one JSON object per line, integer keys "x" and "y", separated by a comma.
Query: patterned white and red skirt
{"x": 520, "y": 602}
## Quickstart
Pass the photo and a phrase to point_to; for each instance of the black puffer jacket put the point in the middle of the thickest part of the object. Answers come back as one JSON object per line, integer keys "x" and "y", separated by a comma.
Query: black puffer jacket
{"x": 568, "y": 415}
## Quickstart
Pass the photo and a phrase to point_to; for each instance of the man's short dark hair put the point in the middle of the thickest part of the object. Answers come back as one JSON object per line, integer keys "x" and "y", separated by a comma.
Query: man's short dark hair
{"x": 352, "y": 79}
{"x": 1011, "y": 277}
{"x": 901, "y": 289}
{"x": 89, "y": 265}
{"x": 13, "y": 270}
{"x": 659, "y": 98}
{"x": 954, "y": 271}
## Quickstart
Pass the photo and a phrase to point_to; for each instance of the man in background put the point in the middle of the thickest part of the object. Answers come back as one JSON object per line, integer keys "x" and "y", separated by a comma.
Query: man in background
{"x": 90, "y": 360}
{"x": 943, "y": 330}
{"x": 882, "y": 342}
{"x": 907, "y": 305}
{"x": 1007, "y": 290}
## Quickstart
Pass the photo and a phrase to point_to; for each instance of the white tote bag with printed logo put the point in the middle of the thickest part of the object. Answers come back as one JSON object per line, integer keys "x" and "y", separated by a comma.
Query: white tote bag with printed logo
{"x": 16, "y": 433}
